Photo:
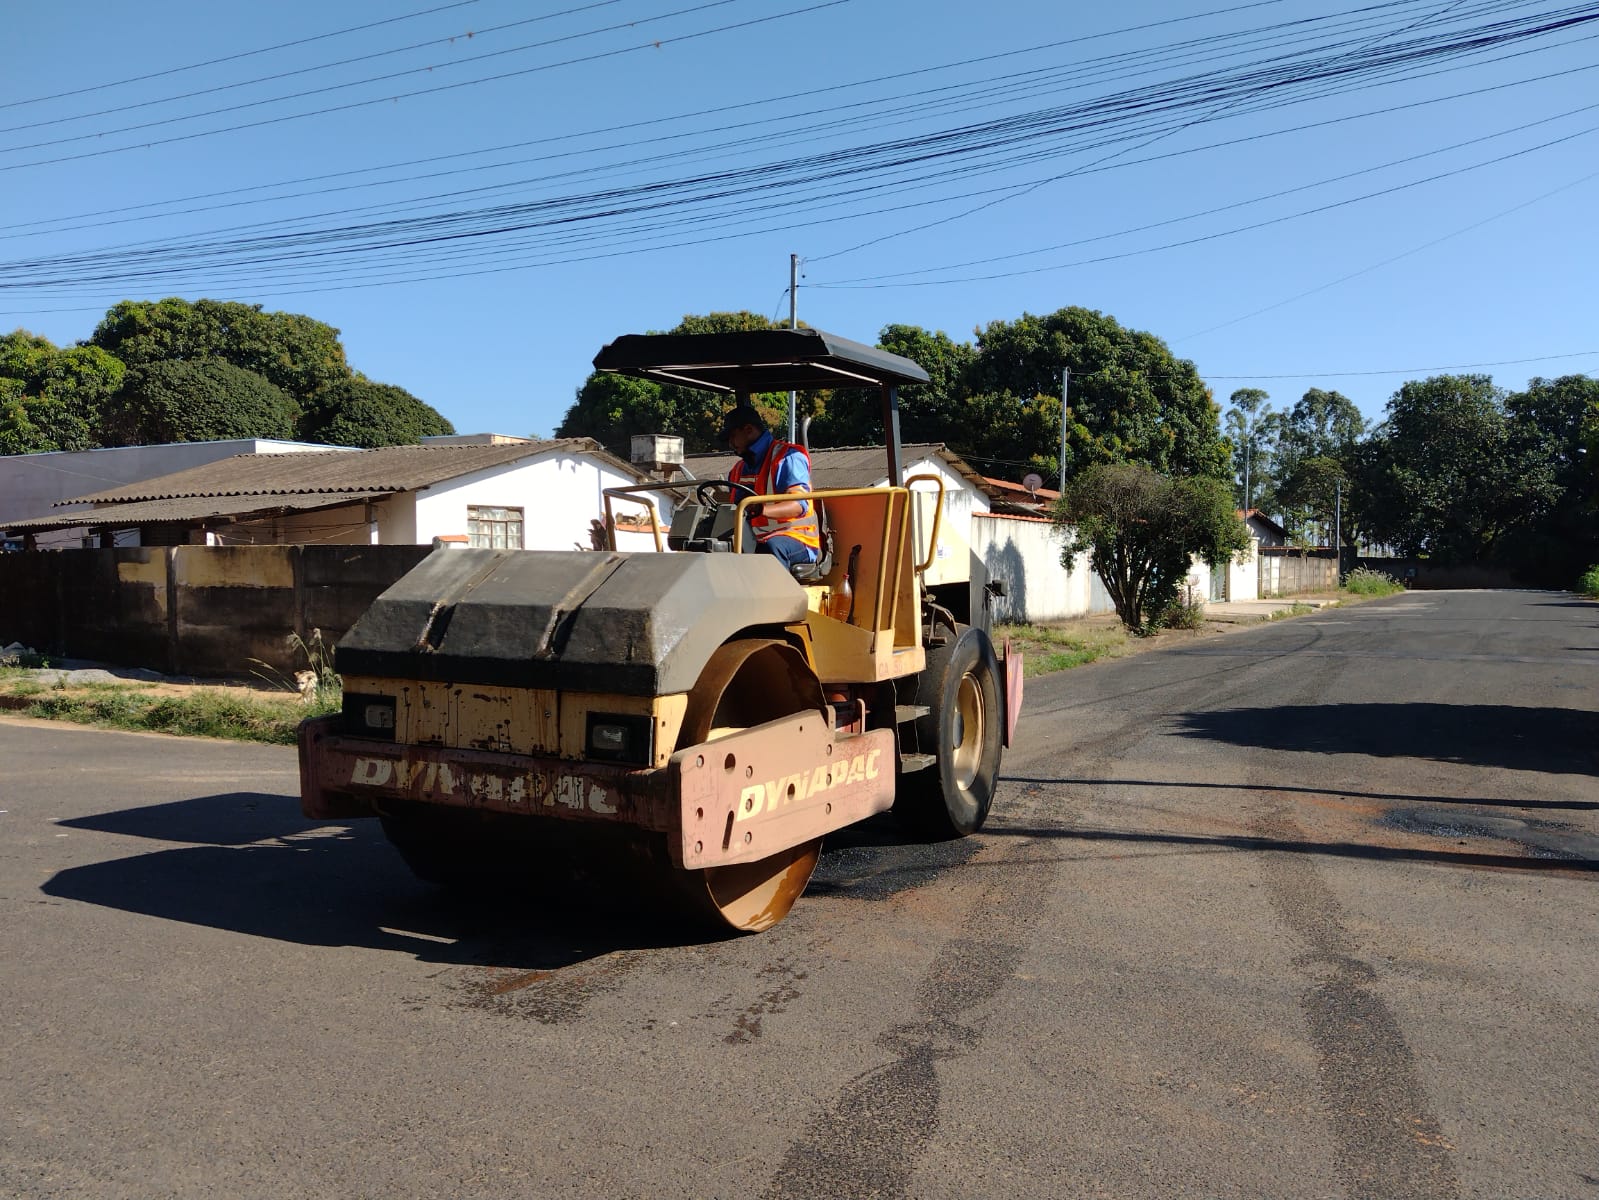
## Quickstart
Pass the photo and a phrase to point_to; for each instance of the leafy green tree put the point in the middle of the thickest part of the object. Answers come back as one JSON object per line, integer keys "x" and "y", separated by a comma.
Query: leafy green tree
{"x": 1131, "y": 400}
{"x": 199, "y": 401}
{"x": 1314, "y": 452}
{"x": 612, "y": 408}
{"x": 300, "y": 355}
{"x": 1142, "y": 531}
{"x": 1250, "y": 430}
{"x": 361, "y": 413}
{"x": 52, "y": 398}
{"x": 1445, "y": 477}
{"x": 928, "y": 412}
{"x": 1557, "y": 537}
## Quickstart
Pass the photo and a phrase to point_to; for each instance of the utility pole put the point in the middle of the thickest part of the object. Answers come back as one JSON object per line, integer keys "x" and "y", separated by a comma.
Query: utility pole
{"x": 1065, "y": 420}
{"x": 793, "y": 323}
{"x": 1249, "y": 453}
{"x": 1338, "y": 525}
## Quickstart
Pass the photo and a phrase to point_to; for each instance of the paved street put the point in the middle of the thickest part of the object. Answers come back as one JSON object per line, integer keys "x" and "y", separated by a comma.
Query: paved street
{"x": 1308, "y": 910}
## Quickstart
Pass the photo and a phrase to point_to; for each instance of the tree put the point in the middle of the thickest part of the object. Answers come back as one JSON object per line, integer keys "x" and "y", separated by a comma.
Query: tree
{"x": 1444, "y": 476}
{"x": 1142, "y": 530}
{"x": 1249, "y": 428}
{"x": 200, "y": 401}
{"x": 1551, "y": 423}
{"x": 929, "y": 412}
{"x": 1315, "y": 450}
{"x": 52, "y": 398}
{"x": 300, "y": 355}
{"x": 1131, "y": 400}
{"x": 612, "y": 408}
{"x": 361, "y": 413}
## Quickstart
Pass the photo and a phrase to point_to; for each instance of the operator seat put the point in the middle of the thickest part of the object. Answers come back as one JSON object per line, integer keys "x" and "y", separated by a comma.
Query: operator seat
{"x": 816, "y": 572}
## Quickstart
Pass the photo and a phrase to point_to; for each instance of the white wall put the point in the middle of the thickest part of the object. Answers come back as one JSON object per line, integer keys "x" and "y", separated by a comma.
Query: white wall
{"x": 31, "y": 484}
{"x": 559, "y": 494}
{"x": 397, "y": 520}
{"x": 1025, "y": 553}
{"x": 1243, "y": 578}
{"x": 952, "y": 561}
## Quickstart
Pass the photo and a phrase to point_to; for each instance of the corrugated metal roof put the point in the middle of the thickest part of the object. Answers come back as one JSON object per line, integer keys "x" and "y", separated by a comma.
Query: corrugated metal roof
{"x": 387, "y": 469}
{"x": 186, "y": 510}
{"x": 846, "y": 466}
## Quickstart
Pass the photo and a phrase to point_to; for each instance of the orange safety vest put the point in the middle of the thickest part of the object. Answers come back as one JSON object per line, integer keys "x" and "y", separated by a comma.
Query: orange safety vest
{"x": 803, "y": 528}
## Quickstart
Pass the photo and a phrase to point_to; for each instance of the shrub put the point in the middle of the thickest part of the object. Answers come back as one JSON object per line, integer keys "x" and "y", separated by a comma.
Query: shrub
{"x": 1588, "y": 585}
{"x": 1187, "y": 611}
{"x": 1363, "y": 581}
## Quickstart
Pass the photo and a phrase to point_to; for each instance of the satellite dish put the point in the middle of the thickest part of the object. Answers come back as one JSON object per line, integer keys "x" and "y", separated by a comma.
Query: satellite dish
{"x": 1033, "y": 482}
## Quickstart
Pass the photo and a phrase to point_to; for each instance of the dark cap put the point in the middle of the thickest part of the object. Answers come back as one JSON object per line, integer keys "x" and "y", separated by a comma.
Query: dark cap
{"x": 737, "y": 418}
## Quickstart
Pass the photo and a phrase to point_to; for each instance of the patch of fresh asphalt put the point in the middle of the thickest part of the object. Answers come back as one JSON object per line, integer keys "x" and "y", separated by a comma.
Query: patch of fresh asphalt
{"x": 1225, "y": 935}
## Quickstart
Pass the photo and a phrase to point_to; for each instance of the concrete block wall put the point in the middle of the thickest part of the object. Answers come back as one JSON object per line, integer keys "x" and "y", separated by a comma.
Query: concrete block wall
{"x": 207, "y": 611}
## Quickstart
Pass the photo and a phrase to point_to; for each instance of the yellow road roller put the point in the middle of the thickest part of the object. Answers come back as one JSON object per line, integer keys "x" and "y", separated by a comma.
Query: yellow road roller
{"x": 702, "y": 714}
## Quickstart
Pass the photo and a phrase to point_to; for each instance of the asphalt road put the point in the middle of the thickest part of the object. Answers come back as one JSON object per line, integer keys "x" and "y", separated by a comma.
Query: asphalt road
{"x": 1310, "y": 910}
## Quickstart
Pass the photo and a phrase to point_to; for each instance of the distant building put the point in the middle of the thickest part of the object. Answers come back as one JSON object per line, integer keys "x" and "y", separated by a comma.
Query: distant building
{"x": 32, "y": 485}
{"x": 504, "y": 493}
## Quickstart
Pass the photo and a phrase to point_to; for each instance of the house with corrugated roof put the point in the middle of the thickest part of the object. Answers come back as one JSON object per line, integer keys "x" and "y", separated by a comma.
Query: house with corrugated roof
{"x": 486, "y": 491}
{"x": 992, "y": 531}
{"x": 44, "y": 483}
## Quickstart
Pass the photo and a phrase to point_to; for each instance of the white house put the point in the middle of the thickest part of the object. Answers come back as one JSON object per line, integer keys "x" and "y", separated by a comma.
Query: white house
{"x": 991, "y": 530}
{"x": 537, "y": 495}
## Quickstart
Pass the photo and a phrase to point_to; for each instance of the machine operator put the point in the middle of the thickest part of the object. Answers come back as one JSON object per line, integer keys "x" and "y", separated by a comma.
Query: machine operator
{"x": 787, "y": 529}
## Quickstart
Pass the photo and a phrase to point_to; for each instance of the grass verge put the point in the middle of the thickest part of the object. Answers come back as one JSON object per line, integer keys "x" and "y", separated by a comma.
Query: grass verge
{"x": 235, "y": 715}
{"x": 1046, "y": 648}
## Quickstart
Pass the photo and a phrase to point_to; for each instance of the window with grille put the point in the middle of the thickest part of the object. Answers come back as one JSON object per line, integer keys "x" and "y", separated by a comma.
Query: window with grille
{"x": 494, "y": 528}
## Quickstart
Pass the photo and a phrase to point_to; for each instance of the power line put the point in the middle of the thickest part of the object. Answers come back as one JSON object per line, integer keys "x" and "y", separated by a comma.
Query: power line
{"x": 653, "y": 44}
{"x": 1210, "y": 237}
{"x": 1028, "y": 189}
{"x": 1504, "y": 362}
{"x": 1105, "y": 65}
{"x": 1102, "y": 237}
{"x": 996, "y": 141}
{"x": 449, "y": 39}
{"x": 1394, "y": 258}
{"x": 319, "y": 37}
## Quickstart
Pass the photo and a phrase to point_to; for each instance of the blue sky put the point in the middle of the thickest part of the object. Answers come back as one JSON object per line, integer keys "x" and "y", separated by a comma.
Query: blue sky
{"x": 1456, "y": 192}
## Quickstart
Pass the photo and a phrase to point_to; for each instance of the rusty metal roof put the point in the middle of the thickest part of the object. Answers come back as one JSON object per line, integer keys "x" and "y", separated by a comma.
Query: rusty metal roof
{"x": 187, "y": 510}
{"x": 384, "y": 470}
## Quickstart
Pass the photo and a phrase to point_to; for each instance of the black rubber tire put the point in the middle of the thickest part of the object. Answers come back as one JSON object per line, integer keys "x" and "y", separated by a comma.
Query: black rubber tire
{"x": 951, "y": 798}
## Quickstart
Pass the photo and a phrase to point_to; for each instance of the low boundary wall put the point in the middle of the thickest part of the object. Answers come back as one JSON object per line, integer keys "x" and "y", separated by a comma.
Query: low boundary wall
{"x": 209, "y": 611}
{"x": 1289, "y": 571}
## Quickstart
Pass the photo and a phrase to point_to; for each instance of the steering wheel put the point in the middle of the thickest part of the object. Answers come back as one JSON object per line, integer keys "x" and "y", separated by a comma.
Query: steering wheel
{"x": 735, "y": 491}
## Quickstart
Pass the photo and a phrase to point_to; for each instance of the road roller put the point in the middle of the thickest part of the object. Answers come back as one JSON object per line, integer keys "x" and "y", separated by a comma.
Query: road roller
{"x": 697, "y": 713}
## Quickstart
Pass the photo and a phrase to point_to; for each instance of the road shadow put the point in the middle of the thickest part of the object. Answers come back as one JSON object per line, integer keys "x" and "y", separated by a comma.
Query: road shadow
{"x": 253, "y": 865}
{"x": 249, "y": 862}
{"x": 1449, "y": 858}
{"x": 1551, "y": 740}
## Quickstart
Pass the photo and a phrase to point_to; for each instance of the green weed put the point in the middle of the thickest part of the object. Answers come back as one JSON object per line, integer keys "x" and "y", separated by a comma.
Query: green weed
{"x": 240, "y": 717}
{"x": 1588, "y": 585}
{"x": 1363, "y": 581}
